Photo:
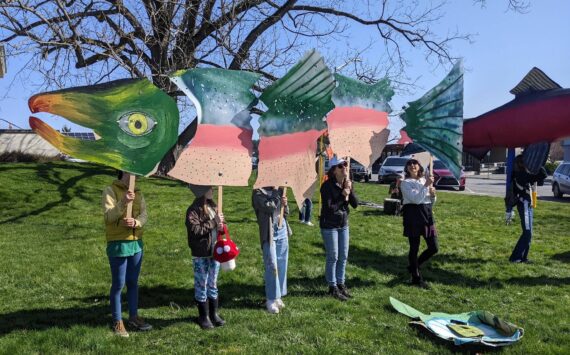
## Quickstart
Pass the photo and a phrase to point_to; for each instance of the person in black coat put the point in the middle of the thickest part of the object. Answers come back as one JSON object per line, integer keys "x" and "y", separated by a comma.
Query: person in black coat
{"x": 336, "y": 195}
{"x": 522, "y": 180}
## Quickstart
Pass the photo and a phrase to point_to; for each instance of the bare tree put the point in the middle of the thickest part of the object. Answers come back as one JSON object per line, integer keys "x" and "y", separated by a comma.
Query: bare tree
{"x": 75, "y": 42}
{"x": 521, "y": 6}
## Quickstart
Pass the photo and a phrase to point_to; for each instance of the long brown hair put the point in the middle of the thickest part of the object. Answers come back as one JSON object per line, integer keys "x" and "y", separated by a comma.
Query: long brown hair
{"x": 201, "y": 203}
{"x": 410, "y": 162}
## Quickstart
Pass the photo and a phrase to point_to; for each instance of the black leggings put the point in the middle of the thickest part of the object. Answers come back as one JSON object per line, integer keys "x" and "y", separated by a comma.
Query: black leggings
{"x": 415, "y": 263}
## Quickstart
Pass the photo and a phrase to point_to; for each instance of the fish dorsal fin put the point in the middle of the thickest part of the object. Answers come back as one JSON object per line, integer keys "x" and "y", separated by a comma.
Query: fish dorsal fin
{"x": 534, "y": 81}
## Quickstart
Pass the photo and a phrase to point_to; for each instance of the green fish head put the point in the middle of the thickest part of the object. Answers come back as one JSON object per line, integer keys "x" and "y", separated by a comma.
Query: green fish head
{"x": 137, "y": 123}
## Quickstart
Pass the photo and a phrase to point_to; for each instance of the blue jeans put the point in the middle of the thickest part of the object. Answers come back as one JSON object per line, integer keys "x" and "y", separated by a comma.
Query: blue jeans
{"x": 206, "y": 272}
{"x": 336, "y": 247}
{"x": 305, "y": 212}
{"x": 275, "y": 258}
{"x": 520, "y": 253}
{"x": 125, "y": 270}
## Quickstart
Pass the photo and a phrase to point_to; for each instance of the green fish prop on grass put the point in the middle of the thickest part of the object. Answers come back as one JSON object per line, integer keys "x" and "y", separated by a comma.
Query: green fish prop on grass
{"x": 137, "y": 123}
{"x": 477, "y": 327}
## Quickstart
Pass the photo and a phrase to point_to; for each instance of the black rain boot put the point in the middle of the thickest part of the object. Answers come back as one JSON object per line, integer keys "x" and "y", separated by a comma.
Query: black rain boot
{"x": 204, "y": 319}
{"x": 342, "y": 289}
{"x": 214, "y": 316}
{"x": 335, "y": 292}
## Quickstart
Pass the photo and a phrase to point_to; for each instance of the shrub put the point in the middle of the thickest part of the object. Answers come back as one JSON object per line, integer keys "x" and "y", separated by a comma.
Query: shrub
{"x": 550, "y": 166}
{"x": 21, "y": 157}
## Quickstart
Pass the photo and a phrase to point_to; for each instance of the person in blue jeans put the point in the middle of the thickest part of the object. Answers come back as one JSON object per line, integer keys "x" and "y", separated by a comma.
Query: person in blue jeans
{"x": 124, "y": 249}
{"x": 305, "y": 212}
{"x": 522, "y": 180}
{"x": 336, "y": 195}
{"x": 203, "y": 221}
{"x": 274, "y": 240}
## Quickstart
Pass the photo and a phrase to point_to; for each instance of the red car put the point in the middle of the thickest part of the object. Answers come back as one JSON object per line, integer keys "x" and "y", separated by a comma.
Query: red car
{"x": 444, "y": 178}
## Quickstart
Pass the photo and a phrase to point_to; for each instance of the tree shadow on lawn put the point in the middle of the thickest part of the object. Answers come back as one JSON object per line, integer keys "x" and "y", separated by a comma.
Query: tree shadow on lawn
{"x": 97, "y": 311}
{"x": 235, "y": 295}
{"x": 239, "y": 295}
{"x": 538, "y": 281}
{"x": 49, "y": 173}
{"x": 396, "y": 265}
{"x": 46, "y": 318}
{"x": 564, "y": 257}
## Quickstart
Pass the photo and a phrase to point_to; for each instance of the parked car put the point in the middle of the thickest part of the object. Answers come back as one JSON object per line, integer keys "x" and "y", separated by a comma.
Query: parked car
{"x": 359, "y": 172}
{"x": 444, "y": 178}
{"x": 391, "y": 169}
{"x": 561, "y": 180}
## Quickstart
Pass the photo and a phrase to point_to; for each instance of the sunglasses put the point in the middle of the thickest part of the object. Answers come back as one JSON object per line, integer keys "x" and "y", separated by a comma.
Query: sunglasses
{"x": 413, "y": 163}
{"x": 342, "y": 165}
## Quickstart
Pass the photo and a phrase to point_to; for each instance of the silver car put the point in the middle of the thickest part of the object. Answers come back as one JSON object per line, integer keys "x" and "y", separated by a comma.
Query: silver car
{"x": 392, "y": 169}
{"x": 561, "y": 180}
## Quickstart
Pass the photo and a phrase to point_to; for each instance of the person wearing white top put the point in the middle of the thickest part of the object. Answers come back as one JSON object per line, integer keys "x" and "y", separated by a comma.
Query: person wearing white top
{"x": 419, "y": 196}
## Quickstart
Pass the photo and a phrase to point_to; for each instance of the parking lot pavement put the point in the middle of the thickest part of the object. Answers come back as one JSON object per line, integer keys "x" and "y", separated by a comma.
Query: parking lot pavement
{"x": 494, "y": 185}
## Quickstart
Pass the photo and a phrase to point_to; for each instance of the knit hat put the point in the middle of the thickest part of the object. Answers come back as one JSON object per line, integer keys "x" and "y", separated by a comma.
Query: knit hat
{"x": 199, "y": 190}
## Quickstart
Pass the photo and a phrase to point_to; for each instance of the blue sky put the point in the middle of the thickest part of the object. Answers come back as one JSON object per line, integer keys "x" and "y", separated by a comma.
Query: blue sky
{"x": 506, "y": 46}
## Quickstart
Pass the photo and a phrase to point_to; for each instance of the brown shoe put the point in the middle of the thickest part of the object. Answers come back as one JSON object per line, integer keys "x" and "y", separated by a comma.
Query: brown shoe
{"x": 139, "y": 324}
{"x": 119, "y": 329}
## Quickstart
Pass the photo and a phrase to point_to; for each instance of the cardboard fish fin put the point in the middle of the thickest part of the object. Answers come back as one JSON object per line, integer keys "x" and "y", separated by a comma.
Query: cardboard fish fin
{"x": 405, "y": 309}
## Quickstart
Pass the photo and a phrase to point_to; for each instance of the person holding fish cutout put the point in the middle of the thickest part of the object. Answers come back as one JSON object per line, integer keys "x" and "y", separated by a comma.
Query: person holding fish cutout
{"x": 271, "y": 209}
{"x": 419, "y": 196}
{"x": 203, "y": 221}
{"x": 522, "y": 180}
{"x": 124, "y": 248}
{"x": 336, "y": 195}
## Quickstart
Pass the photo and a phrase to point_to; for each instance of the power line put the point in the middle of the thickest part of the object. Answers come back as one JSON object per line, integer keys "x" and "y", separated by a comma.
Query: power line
{"x": 11, "y": 124}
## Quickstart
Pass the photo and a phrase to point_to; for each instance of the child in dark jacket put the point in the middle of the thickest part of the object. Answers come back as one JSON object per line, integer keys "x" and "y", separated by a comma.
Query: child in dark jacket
{"x": 202, "y": 225}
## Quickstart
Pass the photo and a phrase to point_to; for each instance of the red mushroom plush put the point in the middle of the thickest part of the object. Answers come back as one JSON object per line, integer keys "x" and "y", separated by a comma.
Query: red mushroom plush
{"x": 225, "y": 250}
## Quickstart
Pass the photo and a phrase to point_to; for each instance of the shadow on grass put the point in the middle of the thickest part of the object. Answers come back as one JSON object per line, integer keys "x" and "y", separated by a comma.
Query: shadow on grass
{"x": 396, "y": 265}
{"x": 538, "y": 281}
{"x": 50, "y": 173}
{"x": 564, "y": 257}
{"x": 43, "y": 319}
{"x": 238, "y": 295}
{"x": 46, "y": 318}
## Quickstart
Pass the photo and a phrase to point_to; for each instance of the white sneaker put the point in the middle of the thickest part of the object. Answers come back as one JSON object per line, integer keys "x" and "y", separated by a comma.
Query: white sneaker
{"x": 280, "y": 303}
{"x": 272, "y": 306}
{"x": 310, "y": 224}
{"x": 303, "y": 222}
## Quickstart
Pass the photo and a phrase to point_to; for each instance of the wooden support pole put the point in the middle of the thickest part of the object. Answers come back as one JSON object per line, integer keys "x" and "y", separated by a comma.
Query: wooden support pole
{"x": 280, "y": 221}
{"x": 132, "y": 179}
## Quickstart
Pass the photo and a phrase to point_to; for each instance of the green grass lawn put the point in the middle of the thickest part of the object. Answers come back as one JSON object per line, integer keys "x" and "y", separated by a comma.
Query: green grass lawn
{"x": 55, "y": 277}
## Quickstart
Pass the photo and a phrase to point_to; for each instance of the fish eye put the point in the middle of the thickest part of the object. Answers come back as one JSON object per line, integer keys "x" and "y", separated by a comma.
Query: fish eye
{"x": 136, "y": 124}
